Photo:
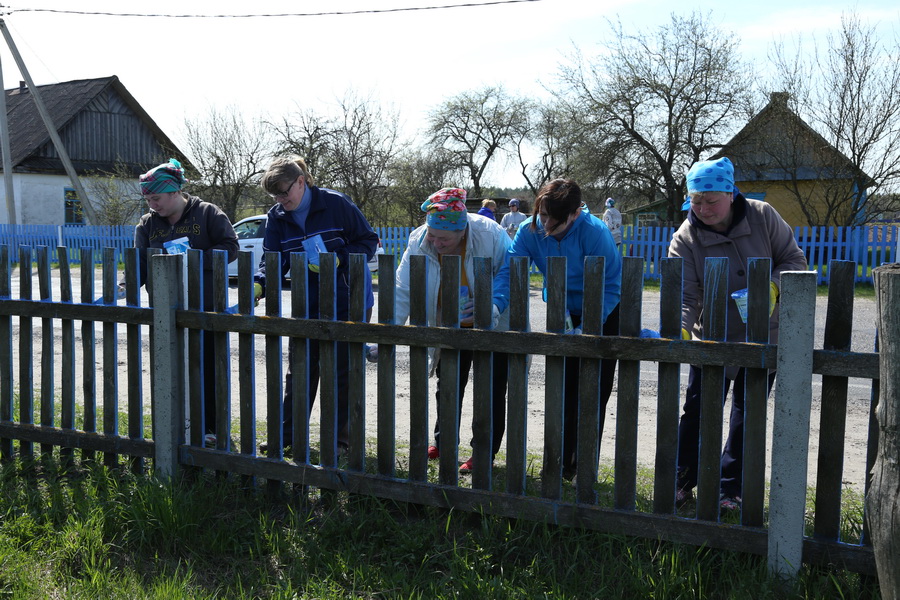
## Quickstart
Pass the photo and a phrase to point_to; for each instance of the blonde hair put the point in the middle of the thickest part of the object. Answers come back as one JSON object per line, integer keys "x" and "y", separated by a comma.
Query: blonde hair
{"x": 488, "y": 203}
{"x": 283, "y": 170}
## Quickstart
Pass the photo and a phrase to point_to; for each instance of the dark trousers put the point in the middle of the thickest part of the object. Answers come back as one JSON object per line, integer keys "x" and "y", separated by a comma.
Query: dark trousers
{"x": 570, "y": 393}
{"x": 500, "y": 362}
{"x": 732, "y": 464}
{"x": 312, "y": 363}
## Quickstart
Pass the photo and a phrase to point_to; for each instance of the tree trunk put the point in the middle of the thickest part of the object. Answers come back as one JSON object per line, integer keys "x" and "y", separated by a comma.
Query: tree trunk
{"x": 883, "y": 499}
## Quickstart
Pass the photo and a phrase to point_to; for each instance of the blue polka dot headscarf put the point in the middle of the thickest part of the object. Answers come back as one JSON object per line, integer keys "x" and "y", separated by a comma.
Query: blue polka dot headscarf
{"x": 711, "y": 176}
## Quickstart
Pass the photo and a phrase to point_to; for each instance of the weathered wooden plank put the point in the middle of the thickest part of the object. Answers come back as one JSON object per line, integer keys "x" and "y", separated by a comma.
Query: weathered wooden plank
{"x": 554, "y": 392}
{"x": 134, "y": 356}
{"x": 197, "y": 379}
{"x": 756, "y": 396}
{"x": 668, "y": 390}
{"x": 629, "y": 387}
{"x": 386, "y": 367}
{"x": 7, "y": 379}
{"x": 356, "y": 384}
{"x": 26, "y": 349}
{"x": 418, "y": 369}
{"x": 67, "y": 366}
{"x": 448, "y": 406}
{"x": 882, "y": 508}
{"x": 712, "y": 383}
{"x": 110, "y": 356}
{"x": 246, "y": 363}
{"x": 298, "y": 352}
{"x": 221, "y": 376}
{"x": 48, "y": 362}
{"x": 833, "y": 412}
{"x": 517, "y": 390}
{"x": 589, "y": 405}
{"x": 328, "y": 361}
{"x": 482, "y": 373}
{"x": 88, "y": 352}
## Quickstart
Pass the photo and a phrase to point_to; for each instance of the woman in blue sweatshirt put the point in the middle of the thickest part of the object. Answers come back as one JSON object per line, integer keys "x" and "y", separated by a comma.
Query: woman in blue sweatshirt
{"x": 562, "y": 226}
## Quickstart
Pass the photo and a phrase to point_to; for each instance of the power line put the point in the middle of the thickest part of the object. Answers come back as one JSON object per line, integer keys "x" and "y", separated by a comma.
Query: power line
{"x": 10, "y": 10}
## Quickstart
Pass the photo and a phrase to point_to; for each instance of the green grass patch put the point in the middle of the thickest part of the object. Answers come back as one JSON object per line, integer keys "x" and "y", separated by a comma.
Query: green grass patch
{"x": 95, "y": 533}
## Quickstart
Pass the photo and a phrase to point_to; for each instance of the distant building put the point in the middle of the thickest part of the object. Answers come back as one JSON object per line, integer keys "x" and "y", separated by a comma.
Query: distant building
{"x": 777, "y": 150}
{"x": 102, "y": 127}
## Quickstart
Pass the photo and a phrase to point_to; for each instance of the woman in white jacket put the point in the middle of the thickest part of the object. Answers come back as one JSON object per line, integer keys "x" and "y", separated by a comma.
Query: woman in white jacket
{"x": 450, "y": 230}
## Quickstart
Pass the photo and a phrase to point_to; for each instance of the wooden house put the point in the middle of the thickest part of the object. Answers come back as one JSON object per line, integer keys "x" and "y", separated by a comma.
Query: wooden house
{"x": 780, "y": 159}
{"x": 103, "y": 129}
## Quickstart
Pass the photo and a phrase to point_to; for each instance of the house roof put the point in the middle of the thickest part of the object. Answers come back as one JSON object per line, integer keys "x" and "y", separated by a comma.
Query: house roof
{"x": 776, "y": 144}
{"x": 63, "y": 101}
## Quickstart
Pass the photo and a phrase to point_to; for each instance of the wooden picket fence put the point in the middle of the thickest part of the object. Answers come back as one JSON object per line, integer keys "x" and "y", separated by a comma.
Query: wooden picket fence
{"x": 771, "y": 525}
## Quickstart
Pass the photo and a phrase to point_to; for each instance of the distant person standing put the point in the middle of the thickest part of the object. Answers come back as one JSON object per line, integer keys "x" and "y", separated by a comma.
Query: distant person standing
{"x": 613, "y": 219}
{"x": 487, "y": 209}
{"x": 511, "y": 220}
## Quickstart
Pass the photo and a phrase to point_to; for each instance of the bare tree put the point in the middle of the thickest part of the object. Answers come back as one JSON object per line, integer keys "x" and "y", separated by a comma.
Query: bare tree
{"x": 476, "y": 127}
{"x": 847, "y": 93}
{"x": 666, "y": 98}
{"x": 415, "y": 175}
{"x": 116, "y": 195}
{"x": 230, "y": 153}
{"x": 349, "y": 151}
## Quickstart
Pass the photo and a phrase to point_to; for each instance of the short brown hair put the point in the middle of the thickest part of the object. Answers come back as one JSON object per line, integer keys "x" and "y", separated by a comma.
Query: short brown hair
{"x": 284, "y": 170}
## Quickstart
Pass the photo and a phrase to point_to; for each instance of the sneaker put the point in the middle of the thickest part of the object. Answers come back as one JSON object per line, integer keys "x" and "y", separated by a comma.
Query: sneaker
{"x": 569, "y": 473}
{"x": 729, "y": 503}
{"x": 683, "y": 496}
{"x": 466, "y": 467}
{"x": 209, "y": 440}
{"x": 433, "y": 453}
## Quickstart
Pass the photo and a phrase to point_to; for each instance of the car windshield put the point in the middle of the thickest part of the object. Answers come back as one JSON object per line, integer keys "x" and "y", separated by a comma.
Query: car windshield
{"x": 250, "y": 229}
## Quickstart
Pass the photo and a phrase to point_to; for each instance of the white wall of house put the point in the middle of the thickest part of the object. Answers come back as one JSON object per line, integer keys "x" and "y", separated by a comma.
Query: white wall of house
{"x": 40, "y": 199}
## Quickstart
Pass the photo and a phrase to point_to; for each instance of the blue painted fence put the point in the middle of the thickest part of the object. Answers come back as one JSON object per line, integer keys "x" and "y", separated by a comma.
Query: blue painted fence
{"x": 868, "y": 246}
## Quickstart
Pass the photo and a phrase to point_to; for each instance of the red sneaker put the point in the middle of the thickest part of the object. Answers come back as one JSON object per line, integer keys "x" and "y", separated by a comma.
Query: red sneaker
{"x": 433, "y": 453}
{"x": 466, "y": 467}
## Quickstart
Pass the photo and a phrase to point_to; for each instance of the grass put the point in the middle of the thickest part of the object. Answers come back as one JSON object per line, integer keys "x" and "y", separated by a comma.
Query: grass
{"x": 95, "y": 533}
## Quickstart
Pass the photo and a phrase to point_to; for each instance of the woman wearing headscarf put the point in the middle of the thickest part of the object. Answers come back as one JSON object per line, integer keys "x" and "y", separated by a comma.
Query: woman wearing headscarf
{"x": 450, "y": 230}
{"x": 175, "y": 215}
{"x": 562, "y": 225}
{"x": 721, "y": 222}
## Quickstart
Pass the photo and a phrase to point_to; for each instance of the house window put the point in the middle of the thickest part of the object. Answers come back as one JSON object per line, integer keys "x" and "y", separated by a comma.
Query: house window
{"x": 74, "y": 212}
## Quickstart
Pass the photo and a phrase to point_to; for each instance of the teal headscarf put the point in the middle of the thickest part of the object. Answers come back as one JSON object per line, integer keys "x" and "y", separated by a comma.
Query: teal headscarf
{"x": 167, "y": 177}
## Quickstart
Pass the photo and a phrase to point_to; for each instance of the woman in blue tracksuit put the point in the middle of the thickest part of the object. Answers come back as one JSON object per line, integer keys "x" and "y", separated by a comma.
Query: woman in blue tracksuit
{"x": 562, "y": 226}
{"x": 310, "y": 219}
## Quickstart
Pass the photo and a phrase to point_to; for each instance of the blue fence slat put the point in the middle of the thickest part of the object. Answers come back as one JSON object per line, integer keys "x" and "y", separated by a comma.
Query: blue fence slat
{"x": 869, "y": 246}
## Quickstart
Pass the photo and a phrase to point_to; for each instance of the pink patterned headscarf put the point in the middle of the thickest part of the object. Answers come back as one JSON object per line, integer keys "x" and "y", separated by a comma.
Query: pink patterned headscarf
{"x": 446, "y": 209}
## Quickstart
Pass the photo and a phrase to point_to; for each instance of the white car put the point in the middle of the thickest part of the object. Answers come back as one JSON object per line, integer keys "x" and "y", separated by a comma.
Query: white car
{"x": 250, "y": 233}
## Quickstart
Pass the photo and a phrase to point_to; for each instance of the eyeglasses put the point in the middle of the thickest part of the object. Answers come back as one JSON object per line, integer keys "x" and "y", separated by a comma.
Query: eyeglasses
{"x": 284, "y": 193}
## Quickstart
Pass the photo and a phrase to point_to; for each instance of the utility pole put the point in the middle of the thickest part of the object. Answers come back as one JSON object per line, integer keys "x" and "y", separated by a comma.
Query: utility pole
{"x": 7, "y": 159}
{"x": 48, "y": 123}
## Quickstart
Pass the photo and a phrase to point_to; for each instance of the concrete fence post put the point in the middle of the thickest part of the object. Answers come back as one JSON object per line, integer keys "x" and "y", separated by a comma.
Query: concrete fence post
{"x": 168, "y": 397}
{"x": 883, "y": 498}
{"x": 790, "y": 431}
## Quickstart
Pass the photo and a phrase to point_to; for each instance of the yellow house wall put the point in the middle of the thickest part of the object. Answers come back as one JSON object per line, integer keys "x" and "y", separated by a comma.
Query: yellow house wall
{"x": 782, "y": 200}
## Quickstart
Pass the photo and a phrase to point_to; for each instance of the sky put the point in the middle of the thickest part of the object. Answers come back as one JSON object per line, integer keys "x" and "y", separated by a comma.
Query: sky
{"x": 411, "y": 60}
